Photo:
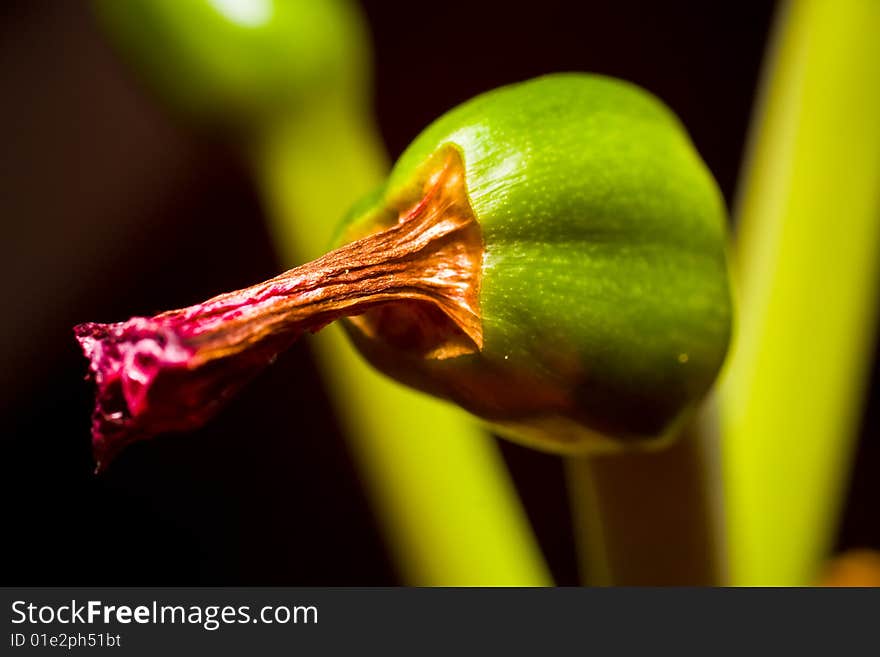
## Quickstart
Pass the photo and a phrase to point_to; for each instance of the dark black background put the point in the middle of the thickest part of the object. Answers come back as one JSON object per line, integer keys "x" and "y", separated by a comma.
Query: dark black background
{"x": 111, "y": 208}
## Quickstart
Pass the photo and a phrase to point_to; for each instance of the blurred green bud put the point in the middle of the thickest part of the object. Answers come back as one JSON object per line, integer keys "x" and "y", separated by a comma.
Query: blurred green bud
{"x": 239, "y": 63}
{"x": 601, "y": 312}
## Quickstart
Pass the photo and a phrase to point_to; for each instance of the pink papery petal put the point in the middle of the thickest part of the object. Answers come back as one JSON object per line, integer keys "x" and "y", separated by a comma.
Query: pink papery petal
{"x": 149, "y": 380}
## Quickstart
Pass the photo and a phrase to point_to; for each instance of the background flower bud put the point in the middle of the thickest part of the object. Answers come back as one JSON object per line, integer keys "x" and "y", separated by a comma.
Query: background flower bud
{"x": 242, "y": 63}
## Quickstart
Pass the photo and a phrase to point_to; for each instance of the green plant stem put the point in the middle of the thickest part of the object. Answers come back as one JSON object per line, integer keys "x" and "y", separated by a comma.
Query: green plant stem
{"x": 448, "y": 506}
{"x": 650, "y": 518}
{"x": 807, "y": 259}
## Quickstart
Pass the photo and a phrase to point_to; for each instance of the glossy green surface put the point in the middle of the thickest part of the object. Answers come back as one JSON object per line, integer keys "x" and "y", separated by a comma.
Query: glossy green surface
{"x": 605, "y": 301}
{"x": 239, "y": 63}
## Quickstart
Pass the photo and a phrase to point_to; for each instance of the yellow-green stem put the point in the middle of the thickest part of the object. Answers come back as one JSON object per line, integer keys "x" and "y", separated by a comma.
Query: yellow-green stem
{"x": 806, "y": 255}
{"x": 651, "y": 518}
{"x": 450, "y": 511}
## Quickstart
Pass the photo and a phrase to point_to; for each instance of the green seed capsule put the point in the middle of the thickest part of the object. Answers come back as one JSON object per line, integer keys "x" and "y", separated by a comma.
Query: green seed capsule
{"x": 600, "y": 310}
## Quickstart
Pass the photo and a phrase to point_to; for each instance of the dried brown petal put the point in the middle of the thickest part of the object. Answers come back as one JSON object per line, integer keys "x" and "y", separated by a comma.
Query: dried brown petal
{"x": 172, "y": 372}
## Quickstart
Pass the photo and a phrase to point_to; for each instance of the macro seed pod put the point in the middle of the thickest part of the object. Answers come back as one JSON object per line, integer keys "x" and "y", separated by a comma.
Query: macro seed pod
{"x": 549, "y": 255}
{"x": 603, "y": 303}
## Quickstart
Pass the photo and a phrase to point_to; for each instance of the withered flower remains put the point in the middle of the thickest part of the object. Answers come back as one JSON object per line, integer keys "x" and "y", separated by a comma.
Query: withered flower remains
{"x": 174, "y": 371}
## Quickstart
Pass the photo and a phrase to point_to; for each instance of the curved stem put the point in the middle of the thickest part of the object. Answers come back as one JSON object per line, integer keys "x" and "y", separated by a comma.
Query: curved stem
{"x": 449, "y": 509}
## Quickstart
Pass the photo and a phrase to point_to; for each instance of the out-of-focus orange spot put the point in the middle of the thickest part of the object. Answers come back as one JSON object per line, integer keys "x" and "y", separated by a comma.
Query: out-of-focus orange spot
{"x": 854, "y": 568}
